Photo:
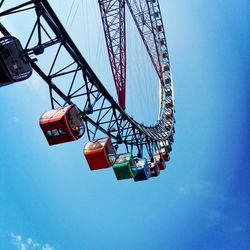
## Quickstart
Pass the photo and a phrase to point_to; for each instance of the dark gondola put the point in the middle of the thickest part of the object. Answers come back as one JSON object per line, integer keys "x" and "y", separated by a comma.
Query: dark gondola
{"x": 14, "y": 66}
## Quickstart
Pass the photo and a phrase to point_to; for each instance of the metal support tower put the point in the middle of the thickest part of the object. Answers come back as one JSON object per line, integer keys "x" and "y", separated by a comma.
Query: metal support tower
{"x": 113, "y": 18}
{"x": 146, "y": 15}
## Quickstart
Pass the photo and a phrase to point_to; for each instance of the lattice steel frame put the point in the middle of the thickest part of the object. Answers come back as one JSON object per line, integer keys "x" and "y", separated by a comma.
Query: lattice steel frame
{"x": 142, "y": 12}
{"x": 113, "y": 19}
{"x": 99, "y": 110}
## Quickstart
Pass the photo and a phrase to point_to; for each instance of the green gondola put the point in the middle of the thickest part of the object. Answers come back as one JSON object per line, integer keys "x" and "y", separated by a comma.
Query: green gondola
{"x": 124, "y": 167}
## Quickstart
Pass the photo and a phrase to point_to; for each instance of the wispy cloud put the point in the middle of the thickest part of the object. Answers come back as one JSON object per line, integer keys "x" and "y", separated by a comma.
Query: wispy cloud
{"x": 196, "y": 188}
{"x": 215, "y": 218}
{"x": 29, "y": 243}
{"x": 36, "y": 85}
{"x": 35, "y": 82}
{"x": 15, "y": 119}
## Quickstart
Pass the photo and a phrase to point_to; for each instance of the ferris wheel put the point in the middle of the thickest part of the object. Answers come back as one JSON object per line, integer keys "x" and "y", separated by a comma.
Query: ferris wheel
{"x": 80, "y": 103}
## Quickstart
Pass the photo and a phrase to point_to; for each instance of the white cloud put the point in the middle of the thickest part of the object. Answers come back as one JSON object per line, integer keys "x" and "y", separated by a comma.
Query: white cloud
{"x": 29, "y": 241}
{"x": 238, "y": 228}
{"x": 15, "y": 119}
{"x": 16, "y": 238}
{"x": 28, "y": 244}
{"x": 36, "y": 246}
{"x": 22, "y": 247}
{"x": 215, "y": 216}
{"x": 35, "y": 82}
{"x": 47, "y": 247}
{"x": 183, "y": 190}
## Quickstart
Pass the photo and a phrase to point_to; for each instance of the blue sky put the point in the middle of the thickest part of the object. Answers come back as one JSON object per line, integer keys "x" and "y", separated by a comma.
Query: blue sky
{"x": 49, "y": 199}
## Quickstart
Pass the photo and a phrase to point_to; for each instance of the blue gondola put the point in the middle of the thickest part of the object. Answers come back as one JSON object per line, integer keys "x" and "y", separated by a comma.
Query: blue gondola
{"x": 143, "y": 170}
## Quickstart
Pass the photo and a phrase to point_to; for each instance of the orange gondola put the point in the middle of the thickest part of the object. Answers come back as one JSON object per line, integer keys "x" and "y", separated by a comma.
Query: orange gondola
{"x": 99, "y": 153}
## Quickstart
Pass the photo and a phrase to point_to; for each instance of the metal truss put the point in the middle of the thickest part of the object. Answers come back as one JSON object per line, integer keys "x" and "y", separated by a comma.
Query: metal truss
{"x": 113, "y": 19}
{"x": 71, "y": 80}
{"x": 145, "y": 15}
{"x": 148, "y": 20}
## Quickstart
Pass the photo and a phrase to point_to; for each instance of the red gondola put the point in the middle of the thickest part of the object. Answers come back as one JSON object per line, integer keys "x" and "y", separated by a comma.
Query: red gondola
{"x": 99, "y": 153}
{"x": 154, "y": 168}
{"x": 62, "y": 125}
{"x": 160, "y": 161}
{"x": 169, "y": 103}
{"x": 164, "y": 154}
{"x": 14, "y": 67}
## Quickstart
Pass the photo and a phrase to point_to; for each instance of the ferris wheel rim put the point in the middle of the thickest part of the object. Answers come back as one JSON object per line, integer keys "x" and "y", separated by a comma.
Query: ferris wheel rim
{"x": 150, "y": 133}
